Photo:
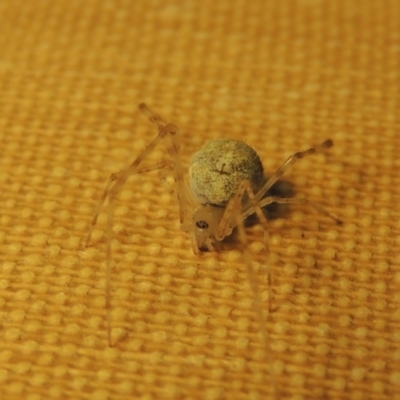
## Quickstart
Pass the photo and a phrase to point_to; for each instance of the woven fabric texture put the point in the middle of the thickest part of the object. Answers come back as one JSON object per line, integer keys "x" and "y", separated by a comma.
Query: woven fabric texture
{"x": 280, "y": 75}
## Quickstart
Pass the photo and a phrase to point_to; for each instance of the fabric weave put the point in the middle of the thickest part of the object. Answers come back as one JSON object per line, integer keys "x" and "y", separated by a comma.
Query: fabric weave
{"x": 280, "y": 75}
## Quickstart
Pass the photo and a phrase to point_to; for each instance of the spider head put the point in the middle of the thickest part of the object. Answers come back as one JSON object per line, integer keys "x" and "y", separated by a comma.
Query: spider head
{"x": 204, "y": 227}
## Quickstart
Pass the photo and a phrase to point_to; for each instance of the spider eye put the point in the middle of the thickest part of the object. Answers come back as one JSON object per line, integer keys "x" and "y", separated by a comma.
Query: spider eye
{"x": 202, "y": 224}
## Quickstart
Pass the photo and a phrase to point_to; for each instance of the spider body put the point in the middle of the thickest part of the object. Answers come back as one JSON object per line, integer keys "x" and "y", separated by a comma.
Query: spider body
{"x": 216, "y": 172}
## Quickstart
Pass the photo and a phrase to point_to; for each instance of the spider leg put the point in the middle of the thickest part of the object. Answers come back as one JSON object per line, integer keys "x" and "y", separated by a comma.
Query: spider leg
{"x": 287, "y": 164}
{"x": 227, "y": 223}
{"x": 233, "y": 216}
{"x": 117, "y": 180}
{"x": 262, "y": 200}
{"x": 159, "y": 165}
{"x": 173, "y": 151}
{"x": 283, "y": 200}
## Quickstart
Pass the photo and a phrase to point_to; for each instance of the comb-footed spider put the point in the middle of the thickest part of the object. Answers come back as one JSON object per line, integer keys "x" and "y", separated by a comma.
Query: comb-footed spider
{"x": 226, "y": 184}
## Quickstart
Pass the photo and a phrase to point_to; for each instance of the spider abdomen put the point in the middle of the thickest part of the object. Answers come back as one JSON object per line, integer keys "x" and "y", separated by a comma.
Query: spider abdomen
{"x": 217, "y": 169}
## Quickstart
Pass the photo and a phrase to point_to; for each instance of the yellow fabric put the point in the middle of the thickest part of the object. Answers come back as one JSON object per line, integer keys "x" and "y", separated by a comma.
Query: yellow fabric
{"x": 281, "y": 75}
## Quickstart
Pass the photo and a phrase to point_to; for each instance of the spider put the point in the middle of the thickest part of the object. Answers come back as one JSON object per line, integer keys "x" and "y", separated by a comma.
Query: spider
{"x": 226, "y": 184}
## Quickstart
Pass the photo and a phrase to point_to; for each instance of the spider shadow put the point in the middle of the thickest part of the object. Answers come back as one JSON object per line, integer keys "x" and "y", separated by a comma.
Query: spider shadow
{"x": 283, "y": 189}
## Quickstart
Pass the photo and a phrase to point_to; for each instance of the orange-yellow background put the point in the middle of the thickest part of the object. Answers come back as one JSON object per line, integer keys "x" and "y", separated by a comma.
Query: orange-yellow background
{"x": 280, "y": 74}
